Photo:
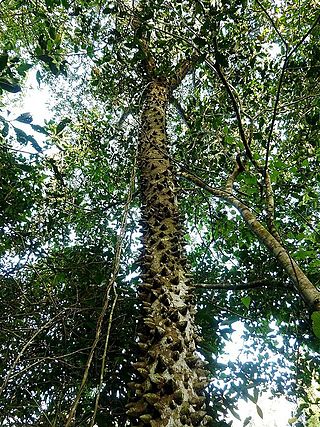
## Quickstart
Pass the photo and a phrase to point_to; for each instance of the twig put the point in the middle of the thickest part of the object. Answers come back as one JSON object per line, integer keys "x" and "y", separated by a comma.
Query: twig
{"x": 273, "y": 24}
{"x": 216, "y": 67}
{"x": 103, "y": 364}
{"x": 275, "y": 109}
{"x": 27, "y": 344}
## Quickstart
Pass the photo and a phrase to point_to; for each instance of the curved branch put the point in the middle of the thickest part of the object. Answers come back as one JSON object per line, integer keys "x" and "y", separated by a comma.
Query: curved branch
{"x": 235, "y": 286}
{"x": 273, "y": 23}
{"x": 307, "y": 290}
{"x": 216, "y": 67}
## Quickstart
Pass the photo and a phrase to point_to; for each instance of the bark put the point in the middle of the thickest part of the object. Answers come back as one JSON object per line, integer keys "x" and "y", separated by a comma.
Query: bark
{"x": 307, "y": 290}
{"x": 170, "y": 376}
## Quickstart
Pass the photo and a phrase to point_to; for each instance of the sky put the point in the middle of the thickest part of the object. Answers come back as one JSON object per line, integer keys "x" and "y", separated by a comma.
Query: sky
{"x": 36, "y": 100}
{"x": 276, "y": 412}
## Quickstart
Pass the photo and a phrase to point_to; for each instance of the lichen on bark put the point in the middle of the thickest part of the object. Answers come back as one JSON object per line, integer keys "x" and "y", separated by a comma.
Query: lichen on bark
{"x": 171, "y": 377}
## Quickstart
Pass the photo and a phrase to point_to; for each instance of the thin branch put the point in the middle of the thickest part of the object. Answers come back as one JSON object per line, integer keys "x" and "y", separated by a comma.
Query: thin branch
{"x": 228, "y": 310}
{"x": 104, "y": 356}
{"x": 273, "y": 24}
{"x": 275, "y": 109}
{"x": 111, "y": 285}
{"x": 216, "y": 67}
{"x": 313, "y": 26}
{"x": 234, "y": 286}
{"x": 24, "y": 348}
{"x": 270, "y": 207}
{"x": 239, "y": 167}
{"x": 275, "y": 112}
{"x": 181, "y": 111}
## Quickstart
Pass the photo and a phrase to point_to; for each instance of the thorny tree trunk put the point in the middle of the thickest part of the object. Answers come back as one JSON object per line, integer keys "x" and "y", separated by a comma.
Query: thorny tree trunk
{"x": 170, "y": 376}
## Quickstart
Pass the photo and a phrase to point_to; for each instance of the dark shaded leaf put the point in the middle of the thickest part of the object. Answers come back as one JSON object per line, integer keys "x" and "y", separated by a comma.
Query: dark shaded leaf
{"x": 25, "y": 118}
{"x": 39, "y": 129}
{"x": 9, "y": 87}
{"x": 259, "y": 411}
{"x": 62, "y": 125}
{"x": 222, "y": 60}
{"x": 34, "y": 144}
{"x": 22, "y": 68}
{"x": 5, "y": 129}
{"x": 3, "y": 61}
{"x": 53, "y": 68}
{"x": 45, "y": 58}
{"x": 22, "y": 137}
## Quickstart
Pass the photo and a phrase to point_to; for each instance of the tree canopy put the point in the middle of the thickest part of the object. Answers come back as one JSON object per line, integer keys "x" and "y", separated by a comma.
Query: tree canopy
{"x": 243, "y": 134}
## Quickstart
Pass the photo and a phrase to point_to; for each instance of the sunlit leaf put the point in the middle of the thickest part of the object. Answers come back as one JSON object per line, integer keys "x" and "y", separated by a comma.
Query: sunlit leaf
{"x": 246, "y": 301}
{"x": 315, "y": 317}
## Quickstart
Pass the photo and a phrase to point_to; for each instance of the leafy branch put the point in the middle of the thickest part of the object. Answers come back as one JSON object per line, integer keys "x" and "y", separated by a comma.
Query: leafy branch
{"x": 307, "y": 290}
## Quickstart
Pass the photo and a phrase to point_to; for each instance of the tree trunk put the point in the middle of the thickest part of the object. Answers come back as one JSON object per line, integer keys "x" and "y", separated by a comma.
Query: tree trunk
{"x": 170, "y": 375}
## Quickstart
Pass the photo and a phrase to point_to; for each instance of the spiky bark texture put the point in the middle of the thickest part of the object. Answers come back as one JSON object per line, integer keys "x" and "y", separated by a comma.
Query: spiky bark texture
{"x": 170, "y": 375}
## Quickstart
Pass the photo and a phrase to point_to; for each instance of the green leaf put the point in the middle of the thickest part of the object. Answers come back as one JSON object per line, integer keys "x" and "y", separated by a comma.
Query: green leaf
{"x": 22, "y": 68}
{"x": 34, "y": 144}
{"x": 247, "y": 421}
{"x": 315, "y": 317}
{"x": 246, "y": 301}
{"x": 22, "y": 137}
{"x": 259, "y": 411}
{"x": 3, "y": 61}
{"x": 9, "y": 87}
{"x": 25, "y": 118}
{"x": 90, "y": 51}
{"x": 62, "y": 125}
{"x": 39, "y": 129}
{"x": 5, "y": 130}
{"x": 38, "y": 77}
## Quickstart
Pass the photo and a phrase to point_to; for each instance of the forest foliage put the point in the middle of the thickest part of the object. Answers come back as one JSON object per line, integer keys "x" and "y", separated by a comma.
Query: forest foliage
{"x": 69, "y": 200}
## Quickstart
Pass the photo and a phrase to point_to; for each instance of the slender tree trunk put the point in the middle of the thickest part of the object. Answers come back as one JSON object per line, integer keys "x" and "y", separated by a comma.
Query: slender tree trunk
{"x": 170, "y": 375}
